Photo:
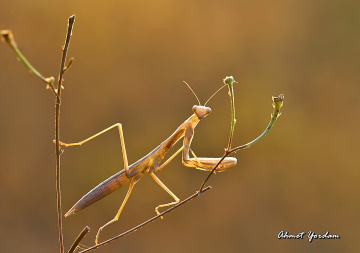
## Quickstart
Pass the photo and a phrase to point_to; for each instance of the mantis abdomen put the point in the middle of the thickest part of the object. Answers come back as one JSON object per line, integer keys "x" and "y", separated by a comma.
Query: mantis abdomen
{"x": 100, "y": 191}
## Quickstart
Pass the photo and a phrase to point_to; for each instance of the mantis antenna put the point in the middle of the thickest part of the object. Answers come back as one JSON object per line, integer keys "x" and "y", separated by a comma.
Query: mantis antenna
{"x": 192, "y": 92}
{"x": 214, "y": 94}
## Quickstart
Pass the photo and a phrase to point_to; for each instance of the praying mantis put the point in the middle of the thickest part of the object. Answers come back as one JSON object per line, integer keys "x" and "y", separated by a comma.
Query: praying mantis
{"x": 150, "y": 163}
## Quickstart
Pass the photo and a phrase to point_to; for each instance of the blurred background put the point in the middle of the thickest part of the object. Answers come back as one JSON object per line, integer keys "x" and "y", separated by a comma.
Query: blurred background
{"x": 130, "y": 60}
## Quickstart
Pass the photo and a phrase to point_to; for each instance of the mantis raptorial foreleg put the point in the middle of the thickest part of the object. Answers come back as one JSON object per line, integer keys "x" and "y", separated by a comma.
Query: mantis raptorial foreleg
{"x": 202, "y": 163}
{"x": 196, "y": 161}
{"x": 132, "y": 183}
{"x": 119, "y": 126}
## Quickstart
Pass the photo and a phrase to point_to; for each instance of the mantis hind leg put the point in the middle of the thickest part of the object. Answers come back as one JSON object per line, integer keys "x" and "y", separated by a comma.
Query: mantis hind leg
{"x": 132, "y": 183}
{"x": 122, "y": 141}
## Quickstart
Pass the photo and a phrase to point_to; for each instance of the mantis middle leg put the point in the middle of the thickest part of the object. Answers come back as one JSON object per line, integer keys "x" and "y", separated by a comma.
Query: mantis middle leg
{"x": 177, "y": 200}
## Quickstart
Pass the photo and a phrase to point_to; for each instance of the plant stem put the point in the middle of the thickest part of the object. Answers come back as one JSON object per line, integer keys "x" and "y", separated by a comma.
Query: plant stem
{"x": 57, "y": 131}
{"x": 277, "y": 104}
{"x": 229, "y": 80}
{"x": 78, "y": 239}
{"x": 8, "y": 37}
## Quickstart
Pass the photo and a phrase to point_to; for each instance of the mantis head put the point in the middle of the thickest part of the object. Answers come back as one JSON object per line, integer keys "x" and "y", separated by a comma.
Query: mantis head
{"x": 201, "y": 111}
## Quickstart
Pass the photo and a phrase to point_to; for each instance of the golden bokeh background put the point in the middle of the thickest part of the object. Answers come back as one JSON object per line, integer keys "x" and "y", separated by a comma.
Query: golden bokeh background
{"x": 130, "y": 60}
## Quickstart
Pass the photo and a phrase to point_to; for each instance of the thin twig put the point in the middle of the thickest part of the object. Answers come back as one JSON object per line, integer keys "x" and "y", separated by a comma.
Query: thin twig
{"x": 277, "y": 104}
{"x": 78, "y": 239}
{"x": 8, "y": 37}
{"x": 57, "y": 131}
{"x": 68, "y": 65}
{"x": 148, "y": 221}
{"x": 229, "y": 80}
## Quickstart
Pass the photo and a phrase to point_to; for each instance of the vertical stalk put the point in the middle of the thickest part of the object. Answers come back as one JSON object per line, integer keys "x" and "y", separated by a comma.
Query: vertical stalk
{"x": 229, "y": 80}
{"x": 57, "y": 131}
